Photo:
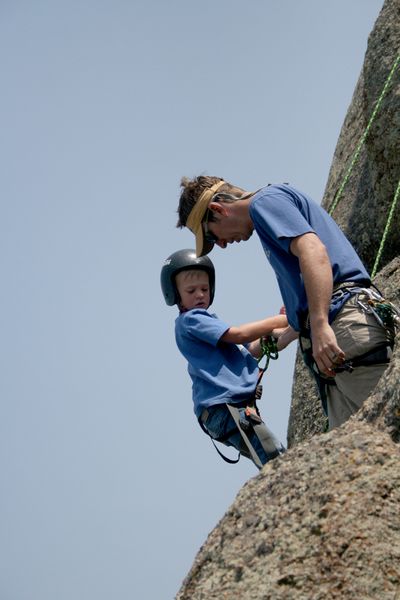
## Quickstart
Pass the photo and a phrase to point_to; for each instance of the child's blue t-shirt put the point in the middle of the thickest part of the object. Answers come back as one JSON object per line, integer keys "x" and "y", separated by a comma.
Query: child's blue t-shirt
{"x": 281, "y": 213}
{"x": 220, "y": 372}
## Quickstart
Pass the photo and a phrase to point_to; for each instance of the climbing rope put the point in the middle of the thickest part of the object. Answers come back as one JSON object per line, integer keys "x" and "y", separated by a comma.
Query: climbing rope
{"x": 354, "y": 160}
{"x": 388, "y": 223}
{"x": 269, "y": 350}
{"x": 363, "y": 137}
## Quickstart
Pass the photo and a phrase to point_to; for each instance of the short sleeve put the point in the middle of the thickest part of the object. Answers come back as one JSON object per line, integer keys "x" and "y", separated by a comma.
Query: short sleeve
{"x": 203, "y": 326}
{"x": 278, "y": 217}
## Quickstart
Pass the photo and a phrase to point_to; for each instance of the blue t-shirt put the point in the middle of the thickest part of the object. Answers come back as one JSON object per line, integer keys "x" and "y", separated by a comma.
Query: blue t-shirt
{"x": 281, "y": 213}
{"x": 220, "y": 372}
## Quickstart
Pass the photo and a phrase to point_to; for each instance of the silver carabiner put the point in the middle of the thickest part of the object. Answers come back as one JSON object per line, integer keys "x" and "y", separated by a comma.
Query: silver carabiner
{"x": 366, "y": 307}
{"x": 369, "y": 310}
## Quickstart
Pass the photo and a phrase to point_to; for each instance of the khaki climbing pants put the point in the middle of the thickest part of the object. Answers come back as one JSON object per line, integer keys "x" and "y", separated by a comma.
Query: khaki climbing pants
{"x": 357, "y": 332}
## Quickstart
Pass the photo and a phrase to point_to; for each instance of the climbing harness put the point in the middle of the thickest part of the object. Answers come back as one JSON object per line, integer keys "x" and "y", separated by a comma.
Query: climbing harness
{"x": 384, "y": 311}
{"x": 372, "y": 302}
{"x": 376, "y": 356}
{"x": 202, "y": 419}
{"x": 247, "y": 416}
{"x": 246, "y": 422}
{"x": 339, "y": 193}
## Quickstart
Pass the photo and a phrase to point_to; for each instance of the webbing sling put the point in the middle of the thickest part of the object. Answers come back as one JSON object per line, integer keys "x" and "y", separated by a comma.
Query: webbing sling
{"x": 267, "y": 440}
{"x": 236, "y": 417}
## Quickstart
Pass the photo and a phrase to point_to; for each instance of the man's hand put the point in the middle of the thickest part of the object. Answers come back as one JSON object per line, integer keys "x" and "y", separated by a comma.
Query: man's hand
{"x": 326, "y": 351}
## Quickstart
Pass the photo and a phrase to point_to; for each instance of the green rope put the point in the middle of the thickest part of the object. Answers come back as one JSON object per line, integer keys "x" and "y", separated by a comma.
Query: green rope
{"x": 269, "y": 349}
{"x": 363, "y": 137}
{"x": 388, "y": 223}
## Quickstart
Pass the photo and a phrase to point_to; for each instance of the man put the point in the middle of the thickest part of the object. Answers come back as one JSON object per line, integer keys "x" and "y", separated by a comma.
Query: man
{"x": 324, "y": 285}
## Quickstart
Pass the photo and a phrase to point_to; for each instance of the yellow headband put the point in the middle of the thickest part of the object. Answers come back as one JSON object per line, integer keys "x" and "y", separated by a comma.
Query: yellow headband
{"x": 195, "y": 218}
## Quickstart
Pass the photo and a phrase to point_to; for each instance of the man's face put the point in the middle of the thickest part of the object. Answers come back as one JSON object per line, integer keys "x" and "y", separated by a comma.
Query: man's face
{"x": 194, "y": 289}
{"x": 229, "y": 225}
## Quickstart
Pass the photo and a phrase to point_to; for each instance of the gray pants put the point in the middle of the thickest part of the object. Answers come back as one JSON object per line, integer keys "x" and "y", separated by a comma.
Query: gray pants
{"x": 356, "y": 332}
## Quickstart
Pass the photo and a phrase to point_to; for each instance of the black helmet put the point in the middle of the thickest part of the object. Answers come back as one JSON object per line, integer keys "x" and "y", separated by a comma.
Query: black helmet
{"x": 183, "y": 260}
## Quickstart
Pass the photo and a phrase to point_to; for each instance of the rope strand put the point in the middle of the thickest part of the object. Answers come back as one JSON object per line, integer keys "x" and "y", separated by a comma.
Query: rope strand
{"x": 385, "y": 233}
{"x": 363, "y": 137}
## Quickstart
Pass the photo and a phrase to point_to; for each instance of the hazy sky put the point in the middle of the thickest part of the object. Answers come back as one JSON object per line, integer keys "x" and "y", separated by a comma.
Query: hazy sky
{"x": 108, "y": 485}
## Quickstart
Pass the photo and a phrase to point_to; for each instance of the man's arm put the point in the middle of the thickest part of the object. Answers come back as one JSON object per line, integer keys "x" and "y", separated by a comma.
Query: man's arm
{"x": 284, "y": 337}
{"x": 316, "y": 269}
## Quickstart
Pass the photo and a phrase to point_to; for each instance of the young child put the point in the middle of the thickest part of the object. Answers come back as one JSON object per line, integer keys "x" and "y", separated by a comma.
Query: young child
{"x": 224, "y": 373}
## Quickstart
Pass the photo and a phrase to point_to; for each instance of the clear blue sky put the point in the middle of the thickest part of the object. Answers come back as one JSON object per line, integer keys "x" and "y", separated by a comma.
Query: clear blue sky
{"x": 108, "y": 486}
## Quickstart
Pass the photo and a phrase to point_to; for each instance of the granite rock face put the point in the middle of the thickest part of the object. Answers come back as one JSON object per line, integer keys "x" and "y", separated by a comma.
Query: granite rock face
{"x": 367, "y": 197}
{"x": 322, "y": 521}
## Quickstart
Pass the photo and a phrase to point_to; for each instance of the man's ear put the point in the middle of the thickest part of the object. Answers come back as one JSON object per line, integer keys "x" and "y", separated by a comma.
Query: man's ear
{"x": 219, "y": 208}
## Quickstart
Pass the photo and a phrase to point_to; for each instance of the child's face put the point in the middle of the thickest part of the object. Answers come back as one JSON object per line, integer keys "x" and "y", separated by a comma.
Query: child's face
{"x": 194, "y": 289}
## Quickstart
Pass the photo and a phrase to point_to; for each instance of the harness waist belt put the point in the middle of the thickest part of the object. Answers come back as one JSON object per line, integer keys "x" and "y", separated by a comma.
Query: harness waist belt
{"x": 341, "y": 292}
{"x": 376, "y": 356}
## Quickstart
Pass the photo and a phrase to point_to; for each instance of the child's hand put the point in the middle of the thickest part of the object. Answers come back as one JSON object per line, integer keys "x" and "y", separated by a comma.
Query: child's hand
{"x": 285, "y": 336}
{"x": 282, "y": 311}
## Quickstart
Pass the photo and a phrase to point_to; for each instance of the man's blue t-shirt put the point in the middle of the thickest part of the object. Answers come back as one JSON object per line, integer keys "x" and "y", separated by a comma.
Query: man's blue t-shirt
{"x": 220, "y": 372}
{"x": 281, "y": 213}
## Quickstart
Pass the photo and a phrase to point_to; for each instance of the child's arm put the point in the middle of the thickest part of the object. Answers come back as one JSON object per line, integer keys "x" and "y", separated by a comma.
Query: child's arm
{"x": 248, "y": 332}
